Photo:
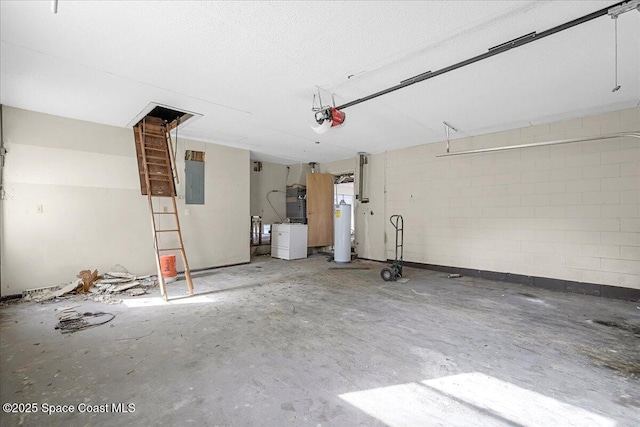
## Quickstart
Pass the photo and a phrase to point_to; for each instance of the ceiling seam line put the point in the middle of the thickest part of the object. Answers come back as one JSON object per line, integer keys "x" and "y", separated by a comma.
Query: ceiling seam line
{"x": 492, "y": 52}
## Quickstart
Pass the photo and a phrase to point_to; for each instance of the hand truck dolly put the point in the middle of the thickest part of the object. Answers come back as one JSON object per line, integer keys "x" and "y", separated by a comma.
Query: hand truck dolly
{"x": 394, "y": 271}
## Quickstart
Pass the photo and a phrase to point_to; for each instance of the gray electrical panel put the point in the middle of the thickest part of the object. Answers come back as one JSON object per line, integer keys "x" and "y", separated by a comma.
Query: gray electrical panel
{"x": 194, "y": 183}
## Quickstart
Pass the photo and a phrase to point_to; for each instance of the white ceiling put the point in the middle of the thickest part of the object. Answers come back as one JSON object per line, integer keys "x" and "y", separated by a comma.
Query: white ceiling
{"x": 251, "y": 68}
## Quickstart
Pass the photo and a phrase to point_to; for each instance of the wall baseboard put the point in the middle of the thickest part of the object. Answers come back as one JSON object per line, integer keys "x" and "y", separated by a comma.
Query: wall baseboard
{"x": 605, "y": 291}
{"x": 194, "y": 270}
{"x": 204, "y": 269}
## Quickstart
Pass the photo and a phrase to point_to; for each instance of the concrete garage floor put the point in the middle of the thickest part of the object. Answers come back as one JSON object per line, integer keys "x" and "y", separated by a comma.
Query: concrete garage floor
{"x": 293, "y": 343}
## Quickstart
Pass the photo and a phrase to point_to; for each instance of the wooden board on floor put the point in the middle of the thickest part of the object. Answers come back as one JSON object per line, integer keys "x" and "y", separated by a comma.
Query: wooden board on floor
{"x": 320, "y": 209}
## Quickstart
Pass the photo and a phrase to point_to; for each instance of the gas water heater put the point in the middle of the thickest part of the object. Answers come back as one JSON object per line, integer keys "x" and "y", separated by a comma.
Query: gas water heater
{"x": 342, "y": 233}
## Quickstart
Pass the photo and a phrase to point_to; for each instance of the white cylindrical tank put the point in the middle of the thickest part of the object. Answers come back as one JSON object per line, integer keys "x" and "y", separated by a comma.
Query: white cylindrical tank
{"x": 342, "y": 233}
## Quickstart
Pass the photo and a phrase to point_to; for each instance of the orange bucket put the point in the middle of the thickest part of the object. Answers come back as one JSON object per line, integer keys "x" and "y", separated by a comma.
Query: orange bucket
{"x": 168, "y": 267}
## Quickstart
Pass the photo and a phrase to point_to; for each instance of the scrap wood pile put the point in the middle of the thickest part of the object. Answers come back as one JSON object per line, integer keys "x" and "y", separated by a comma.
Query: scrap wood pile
{"x": 97, "y": 287}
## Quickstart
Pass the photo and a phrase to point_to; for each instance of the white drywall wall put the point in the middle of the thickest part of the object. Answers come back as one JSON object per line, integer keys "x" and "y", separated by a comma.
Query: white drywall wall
{"x": 338, "y": 167}
{"x": 271, "y": 177}
{"x": 85, "y": 179}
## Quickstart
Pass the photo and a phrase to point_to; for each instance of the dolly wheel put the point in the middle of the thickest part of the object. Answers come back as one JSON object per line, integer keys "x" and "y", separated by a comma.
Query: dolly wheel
{"x": 387, "y": 274}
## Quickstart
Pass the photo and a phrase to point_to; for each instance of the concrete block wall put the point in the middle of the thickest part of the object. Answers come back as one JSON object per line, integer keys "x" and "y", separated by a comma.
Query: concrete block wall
{"x": 569, "y": 212}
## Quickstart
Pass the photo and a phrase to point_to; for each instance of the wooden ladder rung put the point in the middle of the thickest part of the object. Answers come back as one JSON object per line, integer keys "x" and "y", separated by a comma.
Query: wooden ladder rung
{"x": 156, "y": 151}
{"x": 157, "y": 174}
{"x": 155, "y": 163}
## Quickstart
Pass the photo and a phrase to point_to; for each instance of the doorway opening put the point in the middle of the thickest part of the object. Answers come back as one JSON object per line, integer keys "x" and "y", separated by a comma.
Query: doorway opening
{"x": 344, "y": 190}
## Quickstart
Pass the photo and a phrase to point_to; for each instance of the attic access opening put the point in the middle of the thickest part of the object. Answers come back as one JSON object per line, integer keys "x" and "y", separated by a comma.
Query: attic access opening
{"x": 170, "y": 115}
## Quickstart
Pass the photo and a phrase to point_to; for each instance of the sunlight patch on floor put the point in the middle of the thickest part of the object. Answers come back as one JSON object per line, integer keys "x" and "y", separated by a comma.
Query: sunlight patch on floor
{"x": 158, "y": 301}
{"x": 474, "y": 397}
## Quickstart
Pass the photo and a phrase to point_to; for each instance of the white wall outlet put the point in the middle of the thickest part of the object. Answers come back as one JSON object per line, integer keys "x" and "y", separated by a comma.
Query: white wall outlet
{"x": 39, "y": 209}
{"x": 187, "y": 212}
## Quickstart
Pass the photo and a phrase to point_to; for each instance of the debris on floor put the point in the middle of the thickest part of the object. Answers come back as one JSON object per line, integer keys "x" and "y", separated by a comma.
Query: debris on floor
{"x": 116, "y": 282}
{"x": 103, "y": 298}
{"x": 71, "y": 287}
{"x": 88, "y": 278}
{"x": 135, "y": 292}
{"x": 67, "y": 307}
{"x": 72, "y": 321}
{"x": 454, "y": 276}
{"x": 90, "y": 285}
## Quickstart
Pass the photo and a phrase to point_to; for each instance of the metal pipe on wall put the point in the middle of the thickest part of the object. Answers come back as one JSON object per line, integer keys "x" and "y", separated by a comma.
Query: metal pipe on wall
{"x": 447, "y": 126}
{"x": 635, "y": 134}
{"x": 363, "y": 161}
{"x": 3, "y": 153}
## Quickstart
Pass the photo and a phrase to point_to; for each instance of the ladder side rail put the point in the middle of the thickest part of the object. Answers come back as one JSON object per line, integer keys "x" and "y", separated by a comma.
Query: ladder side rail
{"x": 187, "y": 271}
{"x": 174, "y": 167}
{"x": 163, "y": 290}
